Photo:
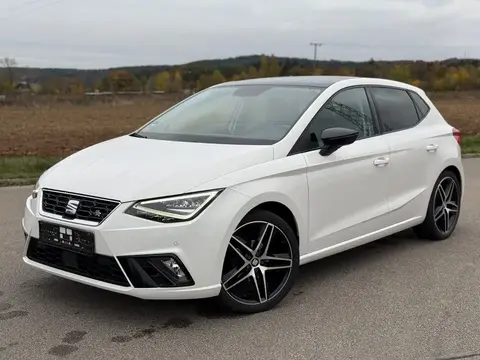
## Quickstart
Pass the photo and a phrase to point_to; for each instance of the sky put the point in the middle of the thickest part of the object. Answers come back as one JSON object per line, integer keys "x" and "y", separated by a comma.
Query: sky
{"x": 109, "y": 33}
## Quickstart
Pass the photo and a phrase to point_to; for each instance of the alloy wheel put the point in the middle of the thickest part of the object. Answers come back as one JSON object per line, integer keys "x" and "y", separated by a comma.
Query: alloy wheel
{"x": 446, "y": 204}
{"x": 258, "y": 263}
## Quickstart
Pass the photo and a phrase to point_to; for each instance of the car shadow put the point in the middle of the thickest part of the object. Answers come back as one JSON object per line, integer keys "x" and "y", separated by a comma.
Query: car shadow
{"x": 83, "y": 300}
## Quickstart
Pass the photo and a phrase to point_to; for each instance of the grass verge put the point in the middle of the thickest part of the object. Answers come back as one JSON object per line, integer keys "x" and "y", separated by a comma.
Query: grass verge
{"x": 471, "y": 144}
{"x": 23, "y": 169}
{"x": 26, "y": 170}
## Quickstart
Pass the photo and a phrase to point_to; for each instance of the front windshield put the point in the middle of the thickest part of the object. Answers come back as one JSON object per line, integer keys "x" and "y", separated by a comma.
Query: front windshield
{"x": 237, "y": 114}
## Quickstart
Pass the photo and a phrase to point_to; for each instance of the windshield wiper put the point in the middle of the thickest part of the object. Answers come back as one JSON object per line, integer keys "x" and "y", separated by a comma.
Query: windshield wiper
{"x": 137, "y": 135}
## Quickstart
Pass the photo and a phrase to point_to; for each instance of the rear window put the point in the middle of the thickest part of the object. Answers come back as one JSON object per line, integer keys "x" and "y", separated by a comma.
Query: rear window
{"x": 422, "y": 106}
{"x": 395, "y": 108}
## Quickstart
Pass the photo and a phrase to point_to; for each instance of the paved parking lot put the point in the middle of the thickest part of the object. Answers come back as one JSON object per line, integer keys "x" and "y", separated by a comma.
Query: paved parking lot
{"x": 398, "y": 298}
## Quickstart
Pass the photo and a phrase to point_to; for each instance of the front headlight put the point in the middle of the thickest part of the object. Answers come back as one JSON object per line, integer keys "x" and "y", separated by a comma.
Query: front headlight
{"x": 35, "y": 190}
{"x": 173, "y": 209}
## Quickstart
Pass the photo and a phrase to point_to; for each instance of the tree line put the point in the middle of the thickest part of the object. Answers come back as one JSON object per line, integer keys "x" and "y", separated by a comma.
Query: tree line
{"x": 448, "y": 75}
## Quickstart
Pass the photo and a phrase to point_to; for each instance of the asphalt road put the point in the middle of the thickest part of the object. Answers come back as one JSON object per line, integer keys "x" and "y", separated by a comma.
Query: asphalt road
{"x": 397, "y": 298}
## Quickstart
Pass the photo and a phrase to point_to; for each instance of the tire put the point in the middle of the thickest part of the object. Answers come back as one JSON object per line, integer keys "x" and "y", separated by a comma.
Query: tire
{"x": 435, "y": 230}
{"x": 243, "y": 296}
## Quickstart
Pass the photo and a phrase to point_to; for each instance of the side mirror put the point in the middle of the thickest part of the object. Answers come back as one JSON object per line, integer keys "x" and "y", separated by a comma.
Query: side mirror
{"x": 334, "y": 138}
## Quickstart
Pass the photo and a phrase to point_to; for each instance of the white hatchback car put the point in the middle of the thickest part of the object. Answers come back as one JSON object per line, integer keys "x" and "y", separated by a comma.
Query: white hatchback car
{"x": 228, "y": 192}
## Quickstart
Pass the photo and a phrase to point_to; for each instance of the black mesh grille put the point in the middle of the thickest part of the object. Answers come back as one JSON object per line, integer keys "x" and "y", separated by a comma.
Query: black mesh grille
{"x": 150, "y": 272}
{"x": 98, "y": 267}
{"x": 89, "y": 209}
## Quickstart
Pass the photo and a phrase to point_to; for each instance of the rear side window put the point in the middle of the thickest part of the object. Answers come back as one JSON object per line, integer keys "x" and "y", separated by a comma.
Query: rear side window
{"x": 395, "y": 108}
{"x": 422, "y": 106}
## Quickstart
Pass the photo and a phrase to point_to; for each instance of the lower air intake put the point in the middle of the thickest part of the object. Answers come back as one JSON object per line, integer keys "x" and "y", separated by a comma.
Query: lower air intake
{"x": 98, "y": 267}
{"x": 155, "y": 271}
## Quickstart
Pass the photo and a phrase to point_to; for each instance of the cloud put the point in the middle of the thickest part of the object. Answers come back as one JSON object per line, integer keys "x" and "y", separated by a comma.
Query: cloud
{"x": 93, "y": 33}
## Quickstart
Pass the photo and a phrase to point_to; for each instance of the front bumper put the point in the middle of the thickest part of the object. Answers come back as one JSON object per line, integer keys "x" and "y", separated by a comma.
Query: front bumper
{"x": 199, "y": 245}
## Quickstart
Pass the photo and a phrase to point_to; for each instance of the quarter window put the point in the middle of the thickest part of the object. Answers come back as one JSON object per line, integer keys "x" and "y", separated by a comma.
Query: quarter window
{"x": 395, "y": 108}
{"x": 349, "y": 109}
{"x": 422, "y": 106}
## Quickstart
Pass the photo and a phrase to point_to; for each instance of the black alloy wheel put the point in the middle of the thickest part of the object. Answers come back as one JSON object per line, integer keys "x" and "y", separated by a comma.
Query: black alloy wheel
{"x": 443, "y": 209}
{"x": 261, "y": 263}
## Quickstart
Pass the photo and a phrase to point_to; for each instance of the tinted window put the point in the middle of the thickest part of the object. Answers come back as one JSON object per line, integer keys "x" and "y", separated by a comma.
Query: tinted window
{"x": 243, "y": 114}
{"x": 422, "y": 106}
{"x": 349, "y": 109}
{"x": 395, "y": 108}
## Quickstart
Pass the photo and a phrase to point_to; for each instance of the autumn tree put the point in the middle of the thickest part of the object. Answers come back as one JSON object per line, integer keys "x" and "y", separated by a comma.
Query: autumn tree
{"x": 63, "y": 85}
{"x": 273, "y": 68}
{"x": 161, "y": 81}
{"x": 263, "y": 70}
{"x": 299, "y": 71}
{"x": 400, "y": 72}
{"x": 345, "y": 71}
{"x": 242, "y": 76}
{"x": 5, "y": 87}
{"x": 252, "y": 73}
{"x": 451, "y": 79}
{"x": 9, "y": 64}
{"x": 120, "y": 80}
{"x": 205, "y": 81}
{"x": 217, "y": 77}
{"x": 176, "y": 84}
{"x": 416, "y": 83}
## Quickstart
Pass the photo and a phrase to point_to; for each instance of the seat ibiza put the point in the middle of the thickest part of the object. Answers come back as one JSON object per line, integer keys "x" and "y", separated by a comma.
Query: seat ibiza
{"x": 228, "y": 192}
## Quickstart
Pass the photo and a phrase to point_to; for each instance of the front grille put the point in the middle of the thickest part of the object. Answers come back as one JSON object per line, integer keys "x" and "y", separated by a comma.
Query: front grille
{"x": 89, "y": 208}
{"x": 98, "y": 267}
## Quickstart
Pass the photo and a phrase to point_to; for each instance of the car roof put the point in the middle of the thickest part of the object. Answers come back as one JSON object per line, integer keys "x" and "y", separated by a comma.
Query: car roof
{"x": 321, "y": 81}
{"x": 309, "y": 80}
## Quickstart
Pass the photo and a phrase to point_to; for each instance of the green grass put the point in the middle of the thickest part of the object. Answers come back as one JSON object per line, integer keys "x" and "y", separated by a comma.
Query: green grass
{"x": 27, "y": 167}
{"x": 471, "y": 144}
{"x": 25, "y": 170}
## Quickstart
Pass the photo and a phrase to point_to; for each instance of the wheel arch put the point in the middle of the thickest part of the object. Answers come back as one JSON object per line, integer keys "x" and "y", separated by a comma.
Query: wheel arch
{"x": 457, "y": 173}
{"x": 283, "y": 206}
{"x": 280, "y": 210}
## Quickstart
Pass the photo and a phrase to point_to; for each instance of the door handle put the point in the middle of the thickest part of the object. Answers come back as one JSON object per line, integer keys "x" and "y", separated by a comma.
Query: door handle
{"x": 381, "y": 161}
{"x": 432, "y": 147}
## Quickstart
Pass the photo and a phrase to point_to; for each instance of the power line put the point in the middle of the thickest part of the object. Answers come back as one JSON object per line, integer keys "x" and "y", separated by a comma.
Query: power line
{"x": 315, "y": 46}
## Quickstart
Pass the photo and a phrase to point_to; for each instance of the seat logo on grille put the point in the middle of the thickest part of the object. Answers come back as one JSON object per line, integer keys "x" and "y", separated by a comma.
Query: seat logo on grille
{"x": 72, "y": 207}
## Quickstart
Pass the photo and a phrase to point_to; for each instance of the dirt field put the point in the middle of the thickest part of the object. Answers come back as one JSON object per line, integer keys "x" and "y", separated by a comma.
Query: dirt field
{"x": 59, "y": 129}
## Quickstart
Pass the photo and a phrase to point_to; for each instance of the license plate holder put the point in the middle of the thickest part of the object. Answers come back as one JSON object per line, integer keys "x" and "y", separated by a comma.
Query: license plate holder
{"x": 67, "y": 237}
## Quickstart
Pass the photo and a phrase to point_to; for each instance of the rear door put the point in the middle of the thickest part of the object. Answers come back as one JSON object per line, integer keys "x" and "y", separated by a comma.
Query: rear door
{"x": 412, "y": 151}
{"x": 348, "y": 189}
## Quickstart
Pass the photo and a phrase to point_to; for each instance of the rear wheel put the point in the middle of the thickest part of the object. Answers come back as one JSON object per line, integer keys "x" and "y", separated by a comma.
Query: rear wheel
{"x": 443, "y": 209}
{"x": 261, "y": 263}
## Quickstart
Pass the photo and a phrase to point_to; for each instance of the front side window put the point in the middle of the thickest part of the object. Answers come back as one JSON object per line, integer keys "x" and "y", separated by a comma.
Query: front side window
{"x": 395, "y": 108}
{"x": 241, "y": 114}
{"x": 348, "y": 109}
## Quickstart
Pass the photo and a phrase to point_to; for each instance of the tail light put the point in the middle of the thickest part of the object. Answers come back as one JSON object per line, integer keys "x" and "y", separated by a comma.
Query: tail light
{"x": 457, "y": 135}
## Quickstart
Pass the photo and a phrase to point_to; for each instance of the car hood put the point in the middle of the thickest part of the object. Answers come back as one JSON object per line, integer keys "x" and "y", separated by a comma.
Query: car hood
{"x": 129, "y": 168}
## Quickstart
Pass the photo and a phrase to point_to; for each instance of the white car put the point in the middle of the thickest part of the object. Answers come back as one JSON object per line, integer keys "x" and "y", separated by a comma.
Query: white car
{"x": 228, "y": 192}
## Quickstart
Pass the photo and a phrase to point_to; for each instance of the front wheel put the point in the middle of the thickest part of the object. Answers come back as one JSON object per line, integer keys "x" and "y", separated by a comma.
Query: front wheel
{"x": 261, "y": 263}
{"x": 443, "y": 209}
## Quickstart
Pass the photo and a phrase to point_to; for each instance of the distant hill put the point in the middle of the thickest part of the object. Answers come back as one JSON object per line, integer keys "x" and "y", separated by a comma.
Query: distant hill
{"x": 228, "y": 67}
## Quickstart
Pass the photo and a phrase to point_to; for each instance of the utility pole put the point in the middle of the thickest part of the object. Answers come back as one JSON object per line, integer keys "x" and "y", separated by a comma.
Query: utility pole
{"x": 315, "y": 46}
